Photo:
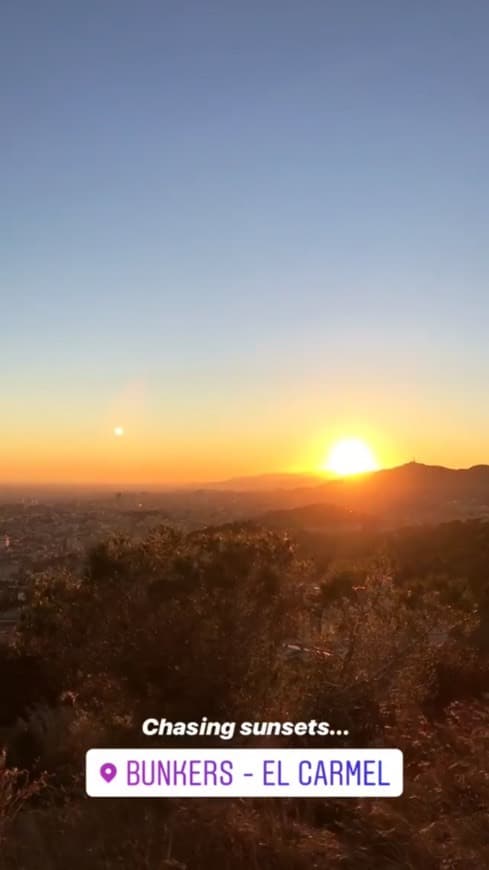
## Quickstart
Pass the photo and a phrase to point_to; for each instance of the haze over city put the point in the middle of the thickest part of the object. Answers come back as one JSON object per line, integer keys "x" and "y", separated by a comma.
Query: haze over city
{"x": 241, "y": 233}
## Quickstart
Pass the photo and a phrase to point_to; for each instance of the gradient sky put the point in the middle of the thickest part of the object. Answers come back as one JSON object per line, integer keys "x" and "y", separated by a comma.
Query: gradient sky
{"x": 241, "y": 231}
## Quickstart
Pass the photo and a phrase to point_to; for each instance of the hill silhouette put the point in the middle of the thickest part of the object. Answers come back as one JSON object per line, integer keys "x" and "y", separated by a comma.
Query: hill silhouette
{"x": 409, "y": 493}
{"x": 415, "y": 486}
{"x": 316, "y": 517}
{"x": 264, "y": 482}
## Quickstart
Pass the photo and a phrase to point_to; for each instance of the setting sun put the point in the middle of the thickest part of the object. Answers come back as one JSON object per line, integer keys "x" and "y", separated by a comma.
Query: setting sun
{"x": 350, "y": 456}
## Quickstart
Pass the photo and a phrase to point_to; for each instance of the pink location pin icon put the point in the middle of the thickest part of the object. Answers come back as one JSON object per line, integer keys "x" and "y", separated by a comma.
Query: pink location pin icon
{"x": 108, "y": 771}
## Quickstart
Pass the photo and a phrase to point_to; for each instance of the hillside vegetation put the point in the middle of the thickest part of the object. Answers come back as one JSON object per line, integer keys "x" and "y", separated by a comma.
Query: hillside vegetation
{"x": 191, "y": 625}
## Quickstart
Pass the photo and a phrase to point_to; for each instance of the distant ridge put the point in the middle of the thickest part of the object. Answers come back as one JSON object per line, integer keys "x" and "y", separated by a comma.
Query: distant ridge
{"x": 406, "y": 494}
{"x": 317, "y": 517}
{"x": 260, "y": 482}
{"x": 290, "y": 480}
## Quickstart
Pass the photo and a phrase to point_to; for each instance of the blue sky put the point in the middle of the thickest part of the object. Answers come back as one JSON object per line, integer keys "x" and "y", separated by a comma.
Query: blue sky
{"x": 271, "y": 215}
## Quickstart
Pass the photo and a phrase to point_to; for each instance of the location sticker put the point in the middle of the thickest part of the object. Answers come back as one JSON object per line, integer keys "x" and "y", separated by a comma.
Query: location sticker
{"x": 108, "y": 771}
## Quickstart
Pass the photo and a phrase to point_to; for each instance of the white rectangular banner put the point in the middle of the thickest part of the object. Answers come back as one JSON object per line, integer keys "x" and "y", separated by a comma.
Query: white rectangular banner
{"x": 244, "y": 773}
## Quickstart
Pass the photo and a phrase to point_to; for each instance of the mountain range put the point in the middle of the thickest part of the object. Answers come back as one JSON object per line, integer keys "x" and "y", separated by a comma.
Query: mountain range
{"x": 410, "y": 493}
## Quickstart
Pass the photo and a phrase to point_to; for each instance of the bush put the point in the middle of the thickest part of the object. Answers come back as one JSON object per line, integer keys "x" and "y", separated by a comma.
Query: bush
{"x": 184, "y": 626}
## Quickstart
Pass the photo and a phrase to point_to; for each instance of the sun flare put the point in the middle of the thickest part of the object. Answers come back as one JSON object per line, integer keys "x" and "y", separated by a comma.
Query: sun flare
{"x": 350, "y": 456}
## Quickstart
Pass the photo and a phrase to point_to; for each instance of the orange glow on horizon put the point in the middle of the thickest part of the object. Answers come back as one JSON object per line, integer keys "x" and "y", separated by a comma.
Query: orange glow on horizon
{"x": 63, "y": 449}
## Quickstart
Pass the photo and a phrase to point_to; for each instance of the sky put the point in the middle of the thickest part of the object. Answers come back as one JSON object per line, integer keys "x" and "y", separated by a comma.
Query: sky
{"x": 241, "y": 231}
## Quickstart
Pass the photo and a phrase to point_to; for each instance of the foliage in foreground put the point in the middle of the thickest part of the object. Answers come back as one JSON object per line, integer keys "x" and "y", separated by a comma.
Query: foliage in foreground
{"x": 186, "y": 626}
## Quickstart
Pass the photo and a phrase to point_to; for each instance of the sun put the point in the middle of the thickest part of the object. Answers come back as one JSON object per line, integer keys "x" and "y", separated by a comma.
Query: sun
{"x": 350, "y": 456}
{"x": 119, "y": 432}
